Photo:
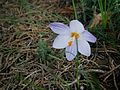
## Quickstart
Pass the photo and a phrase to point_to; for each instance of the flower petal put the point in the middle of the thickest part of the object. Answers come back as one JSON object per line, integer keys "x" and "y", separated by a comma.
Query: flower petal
{"x": 84, "y": 47}
{"x": 61, "y": 41}
{"x": 76, "y": 26}
{"x": 88, "y": 36}
{"x": 59, "y": 28}
{"x": 71, "y": 51}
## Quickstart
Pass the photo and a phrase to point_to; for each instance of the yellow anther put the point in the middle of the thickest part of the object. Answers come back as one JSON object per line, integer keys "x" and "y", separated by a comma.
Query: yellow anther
{"x": 74, "y": 34}
{"x": 70, "y": 43}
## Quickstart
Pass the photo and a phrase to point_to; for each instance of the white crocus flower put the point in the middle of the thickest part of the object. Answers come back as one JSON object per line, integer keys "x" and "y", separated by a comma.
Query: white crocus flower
{"x": 73, "y": 37}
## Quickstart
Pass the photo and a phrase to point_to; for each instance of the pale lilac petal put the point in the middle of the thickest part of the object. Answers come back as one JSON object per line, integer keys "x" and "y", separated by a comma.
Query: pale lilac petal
{"x": 76, "y": 26}
{"x": 71, "y": 51}
{"x": 59, "y": 28}
{"x": 61, "y": 41}
{"x": 84, "y": 47}
{"x": 88, "y": 36}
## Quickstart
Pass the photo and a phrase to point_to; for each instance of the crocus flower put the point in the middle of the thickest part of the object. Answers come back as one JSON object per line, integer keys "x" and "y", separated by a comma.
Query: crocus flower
{"x": 74, "y": 38}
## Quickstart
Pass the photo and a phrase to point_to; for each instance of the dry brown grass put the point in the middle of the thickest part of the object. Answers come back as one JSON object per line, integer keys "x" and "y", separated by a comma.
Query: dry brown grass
{"x": 22, "y": 69}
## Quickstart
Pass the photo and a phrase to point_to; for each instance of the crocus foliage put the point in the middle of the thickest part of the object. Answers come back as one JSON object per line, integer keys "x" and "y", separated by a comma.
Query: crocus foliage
{"x": 74, "y": 38}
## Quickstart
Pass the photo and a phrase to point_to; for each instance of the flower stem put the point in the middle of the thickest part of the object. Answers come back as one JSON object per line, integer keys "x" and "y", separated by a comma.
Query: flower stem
{"x": 77, "y": 61}
{"x": 77, "y": 67}
{"x": 78, "y": 72}
{"x": 75, "y": 12}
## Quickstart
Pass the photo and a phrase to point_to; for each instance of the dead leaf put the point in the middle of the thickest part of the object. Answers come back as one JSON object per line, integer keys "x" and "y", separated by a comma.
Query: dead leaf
{"x": 96, "y": 20}
{"x": 66, "y": 11}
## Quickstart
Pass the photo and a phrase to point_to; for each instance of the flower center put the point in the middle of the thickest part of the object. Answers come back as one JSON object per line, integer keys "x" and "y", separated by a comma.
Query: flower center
{"x": 74, "y": 34}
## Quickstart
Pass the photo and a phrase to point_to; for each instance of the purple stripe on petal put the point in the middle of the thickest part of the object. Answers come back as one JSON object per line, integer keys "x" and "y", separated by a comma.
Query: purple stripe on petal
{"x": 84, "y": 47}
{"x": 88, "y": 36}
{"x": 59, "y": 28}
{"x": 71, "y": 51}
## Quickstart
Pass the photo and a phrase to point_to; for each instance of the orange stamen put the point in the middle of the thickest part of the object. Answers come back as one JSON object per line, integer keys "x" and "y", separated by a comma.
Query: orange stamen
{"x": 70, "y": 43}
{"x": 74, "y": 34}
